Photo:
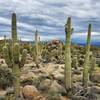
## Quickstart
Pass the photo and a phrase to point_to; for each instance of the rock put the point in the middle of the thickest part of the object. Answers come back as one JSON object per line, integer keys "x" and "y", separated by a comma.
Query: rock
{"x": 2, "y": 61}
{"x": 78, "y": 98}
{"x": 77, "y": 78}
{"x": 44, "y": 85}
{"x": 64, "y": 98}
{"x": 25, "y": 69}
{"x": 30, "y": 92}
{"x": 77, "y": 88}
{"x": 58, "y": 76}
{"x": 96, "y": 89}
{"x": 57, "y": 88}
{"x": 30, "y": 65}
{"x": 4, "y": 65}
{"x": 96, "y": 78}
{"x": 2, "y": 93}
{"x": 76, "y": 71}
{"x": 27, "y": 76}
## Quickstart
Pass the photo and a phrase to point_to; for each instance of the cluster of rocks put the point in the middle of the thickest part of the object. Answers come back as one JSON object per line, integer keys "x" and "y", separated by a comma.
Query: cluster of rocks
{"x": 46, "y": 82}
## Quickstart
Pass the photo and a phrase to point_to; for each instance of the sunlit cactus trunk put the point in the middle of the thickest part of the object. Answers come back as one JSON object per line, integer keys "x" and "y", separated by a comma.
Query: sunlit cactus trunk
{"x": 68, "y": 79}
{"x": 86, "y": 63}
{"x": 14, "y": 28}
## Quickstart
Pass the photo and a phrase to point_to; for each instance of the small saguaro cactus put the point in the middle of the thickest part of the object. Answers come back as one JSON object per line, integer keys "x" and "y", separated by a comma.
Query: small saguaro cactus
{"x": 5, "y": 39}
{"x": 6, "y": 56}
{"x": 36, "y": 47}
{"x": 14, "y": 28}
{"x": 87, "y": 56}
{"x": 23, "y": 58}
{"x": 67, "y": 76}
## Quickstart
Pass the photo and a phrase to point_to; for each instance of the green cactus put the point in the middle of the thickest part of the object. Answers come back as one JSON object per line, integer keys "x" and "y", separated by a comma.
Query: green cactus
{"x": 16, "y": 53}
{"x": 37, "y": 48}
{"x": 87, "y": 56}
{"x": 14, "y": 64}
{"x": 92, "y": 66}
{"x": 14, "y": 28}
{"x": 16, "y": 69}
{"x": 6, "y": 56}
{"x": 68, "y": 79}
{"x": 23, "y": 58}
{"x": 11, "y": 55}
{"x": 5, "y": 40}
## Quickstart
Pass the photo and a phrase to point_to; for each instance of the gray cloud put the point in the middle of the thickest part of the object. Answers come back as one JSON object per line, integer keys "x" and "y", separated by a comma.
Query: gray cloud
{"x": 49, "y": 16}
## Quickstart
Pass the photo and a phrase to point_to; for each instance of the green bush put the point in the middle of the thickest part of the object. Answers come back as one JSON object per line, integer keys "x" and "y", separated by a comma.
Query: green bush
{"x": 5, "y": 77}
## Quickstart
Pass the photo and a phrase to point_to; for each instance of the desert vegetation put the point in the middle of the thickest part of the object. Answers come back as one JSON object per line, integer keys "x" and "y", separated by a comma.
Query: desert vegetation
{"x": 53, "y": 70}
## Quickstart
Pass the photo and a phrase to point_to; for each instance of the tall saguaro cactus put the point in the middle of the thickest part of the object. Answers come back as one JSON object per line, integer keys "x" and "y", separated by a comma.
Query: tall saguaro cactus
{"x": 68, "y": 79}
{"x": 14, "y": 28}
{"x": 87, "y": 56}
{"x": 11, "y": 55}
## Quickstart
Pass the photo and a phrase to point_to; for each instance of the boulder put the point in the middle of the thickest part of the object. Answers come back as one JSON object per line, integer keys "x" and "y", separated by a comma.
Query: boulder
{"x": 57, "y": 88}
{"x": 30, "y": 92}
{"x": 79, "y": 98}
{"x": 96, "y": 77}
{"x": 96, "y": 89}
{"x": 44, "y": 85}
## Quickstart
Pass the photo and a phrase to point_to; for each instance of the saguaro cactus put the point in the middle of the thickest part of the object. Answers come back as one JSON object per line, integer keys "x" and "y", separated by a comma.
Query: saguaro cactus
{"x": 14, "y": 28}
{"x": 92, "y": 66}
{"x": 68, "y": 30}
{"x": 7, "y": 56}
{"x": 11, "y": 55}
{"x": 87, "y": 56}
{"x": 5, "y": 39}
{"x": 16, "y": 70}
{"x": 37, "y": 47}
{"x": 23, "y": 58}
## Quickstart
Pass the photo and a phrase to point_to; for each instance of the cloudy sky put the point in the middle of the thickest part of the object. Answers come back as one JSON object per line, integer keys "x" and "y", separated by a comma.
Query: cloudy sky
{"x": 49, "y": 17}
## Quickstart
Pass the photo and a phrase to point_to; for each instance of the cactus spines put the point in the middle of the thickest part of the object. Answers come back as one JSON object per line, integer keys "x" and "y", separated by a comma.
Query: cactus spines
{"x": 87, "y": 56}
{"x": 68, "y": 79}
{"x": 23, "y": 58}
{"x": 14, "y": 28}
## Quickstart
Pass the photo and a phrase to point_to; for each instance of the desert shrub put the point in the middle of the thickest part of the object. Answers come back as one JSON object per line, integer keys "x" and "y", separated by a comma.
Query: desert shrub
{"x": 53, "y": 96}
{"x": 5, "y": 77}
